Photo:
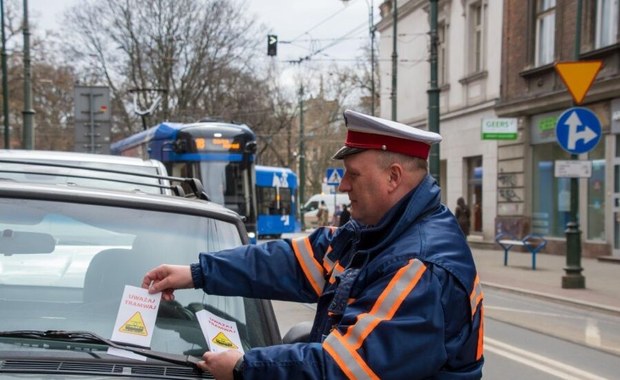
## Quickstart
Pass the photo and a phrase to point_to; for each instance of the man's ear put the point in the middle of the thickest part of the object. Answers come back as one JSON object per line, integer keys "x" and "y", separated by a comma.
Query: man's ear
{"x": 395, "y": 173}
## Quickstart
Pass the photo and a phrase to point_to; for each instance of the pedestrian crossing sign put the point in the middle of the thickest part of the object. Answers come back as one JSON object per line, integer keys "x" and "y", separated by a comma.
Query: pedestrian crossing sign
{"x": 334, "y": 176}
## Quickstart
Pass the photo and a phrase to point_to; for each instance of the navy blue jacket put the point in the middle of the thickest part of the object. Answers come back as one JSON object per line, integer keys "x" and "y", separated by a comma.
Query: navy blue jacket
{"x": 399, "y": 300}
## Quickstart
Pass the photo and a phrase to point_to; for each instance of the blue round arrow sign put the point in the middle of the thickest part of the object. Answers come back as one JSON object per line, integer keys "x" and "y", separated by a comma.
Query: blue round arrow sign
{"x": 578, "y": 130}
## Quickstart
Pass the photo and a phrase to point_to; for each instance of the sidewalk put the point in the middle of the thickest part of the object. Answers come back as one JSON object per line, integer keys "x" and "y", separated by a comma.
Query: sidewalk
{"x": 602, "y": 279}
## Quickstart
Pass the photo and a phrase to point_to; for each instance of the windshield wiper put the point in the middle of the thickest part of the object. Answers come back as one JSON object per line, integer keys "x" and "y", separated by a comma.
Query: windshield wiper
{"x": 89, "y": 337}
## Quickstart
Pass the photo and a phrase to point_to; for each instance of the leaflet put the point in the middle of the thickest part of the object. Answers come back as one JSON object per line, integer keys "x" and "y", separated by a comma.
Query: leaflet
{"x": 135, "y": 320}
{"x": 221, "y": 334}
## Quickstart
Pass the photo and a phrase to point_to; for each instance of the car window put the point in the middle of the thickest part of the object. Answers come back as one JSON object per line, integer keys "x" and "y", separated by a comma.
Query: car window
{"x": 63, "y": 266}
{"x": 312, "y": 206}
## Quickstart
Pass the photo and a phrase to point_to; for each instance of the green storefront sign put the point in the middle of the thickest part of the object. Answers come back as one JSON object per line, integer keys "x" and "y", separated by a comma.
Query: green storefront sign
{"x": 499, "y": 129}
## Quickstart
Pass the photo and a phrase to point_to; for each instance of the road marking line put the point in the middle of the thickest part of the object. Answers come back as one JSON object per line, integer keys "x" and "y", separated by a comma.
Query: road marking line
{"x": 542, "y": 363}
{"x": 499, "y": 308}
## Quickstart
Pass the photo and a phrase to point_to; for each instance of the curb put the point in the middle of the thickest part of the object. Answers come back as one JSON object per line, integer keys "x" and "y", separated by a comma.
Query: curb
{"x": 600, "y": 307}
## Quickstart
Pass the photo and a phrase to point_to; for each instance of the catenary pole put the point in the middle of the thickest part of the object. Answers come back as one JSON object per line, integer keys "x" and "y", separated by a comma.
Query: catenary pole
{"x": 5, "y": 84}
{"x": 28, "y": 112}
{"x": 433, "y": 93}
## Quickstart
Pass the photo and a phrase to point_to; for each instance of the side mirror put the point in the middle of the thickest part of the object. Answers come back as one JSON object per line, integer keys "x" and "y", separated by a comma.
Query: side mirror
{"x": 300, "y": 333}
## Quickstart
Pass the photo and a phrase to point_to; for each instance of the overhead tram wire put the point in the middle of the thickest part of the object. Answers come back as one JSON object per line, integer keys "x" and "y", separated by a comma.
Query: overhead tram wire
{"x": 336, "y": 41}
{"x": 317, "y": 25}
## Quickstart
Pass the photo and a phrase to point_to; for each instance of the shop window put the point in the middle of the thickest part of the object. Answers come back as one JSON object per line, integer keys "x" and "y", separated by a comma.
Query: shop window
{"x": 551, "y": 207}
{"x": 474, "y": 197}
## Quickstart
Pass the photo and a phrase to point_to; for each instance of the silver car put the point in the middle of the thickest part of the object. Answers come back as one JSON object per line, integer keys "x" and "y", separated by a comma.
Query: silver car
{"x": 66, "y": 256}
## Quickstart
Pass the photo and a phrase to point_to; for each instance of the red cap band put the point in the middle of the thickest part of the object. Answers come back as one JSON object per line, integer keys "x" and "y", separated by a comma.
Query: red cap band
{"x": 392, "y": 144}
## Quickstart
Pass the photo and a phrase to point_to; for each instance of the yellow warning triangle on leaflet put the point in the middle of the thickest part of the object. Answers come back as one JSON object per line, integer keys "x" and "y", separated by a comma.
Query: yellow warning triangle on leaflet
{"x": 135, "y": 325}
{"x": 578, "y": 76}
{"x": 222, "y": 340}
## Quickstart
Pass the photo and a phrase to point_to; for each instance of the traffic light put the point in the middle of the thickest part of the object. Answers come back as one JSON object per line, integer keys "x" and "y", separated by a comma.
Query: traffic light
{"x": 272, "y": 45}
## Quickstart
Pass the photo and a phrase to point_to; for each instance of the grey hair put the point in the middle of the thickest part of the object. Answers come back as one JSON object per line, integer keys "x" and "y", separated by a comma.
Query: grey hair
{"x": 409, "y": 163}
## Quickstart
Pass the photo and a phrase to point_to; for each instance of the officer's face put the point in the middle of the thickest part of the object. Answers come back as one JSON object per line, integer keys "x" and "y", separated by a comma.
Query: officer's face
{"x": 367, "y": 185}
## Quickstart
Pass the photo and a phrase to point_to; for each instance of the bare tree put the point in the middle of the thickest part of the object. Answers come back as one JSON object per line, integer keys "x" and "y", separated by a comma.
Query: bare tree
{"x": 200, "y": 52}
{"x": 52, "y": 86}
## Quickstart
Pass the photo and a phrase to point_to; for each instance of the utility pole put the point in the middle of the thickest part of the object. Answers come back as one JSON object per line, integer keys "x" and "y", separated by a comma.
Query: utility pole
{"x": 28, "y": 112}
{"x": 371, "y": 29}
{"x": 433, "y": 94}
{"x": 302, "y": 158}
{"x": 5, "y": 83}
{"x": 372, "y": 59}
{"x": 394, "y": 57}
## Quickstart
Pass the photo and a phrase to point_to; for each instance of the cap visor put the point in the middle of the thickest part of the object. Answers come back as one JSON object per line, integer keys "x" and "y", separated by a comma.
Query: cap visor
{"x": 346, "y": 151}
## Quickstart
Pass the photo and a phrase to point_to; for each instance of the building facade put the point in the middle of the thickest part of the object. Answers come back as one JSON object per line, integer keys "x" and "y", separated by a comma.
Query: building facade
{"x": 497, "y": 59}
{"x": 469, "y": 50}
{"x": 537, "y": 34}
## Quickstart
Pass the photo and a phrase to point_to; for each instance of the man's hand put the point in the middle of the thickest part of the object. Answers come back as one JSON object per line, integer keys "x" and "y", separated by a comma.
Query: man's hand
{"x": 167, "y": 278}
{"x": 220, "y": 364}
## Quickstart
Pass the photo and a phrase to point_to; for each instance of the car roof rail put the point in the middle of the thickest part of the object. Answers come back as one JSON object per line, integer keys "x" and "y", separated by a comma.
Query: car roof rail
{"x": 193, "y": 184}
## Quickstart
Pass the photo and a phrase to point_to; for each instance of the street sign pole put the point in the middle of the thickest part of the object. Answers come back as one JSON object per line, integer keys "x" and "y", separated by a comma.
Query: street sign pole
{"x": 578, "y": 131}
{"x": 573, "y": 279}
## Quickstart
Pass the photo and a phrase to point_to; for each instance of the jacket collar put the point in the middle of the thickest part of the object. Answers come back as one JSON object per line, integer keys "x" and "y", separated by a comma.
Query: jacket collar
{"x": 418, "y": 202}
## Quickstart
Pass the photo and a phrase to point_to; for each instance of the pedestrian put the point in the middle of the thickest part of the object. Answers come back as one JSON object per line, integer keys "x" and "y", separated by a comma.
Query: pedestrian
{"x": 396, "y": 288}
{"x": 336, "y": 217}
{"x": 345, "y": 215}
{"x": 322, "y": 214}
{"x": 463, "y": 215}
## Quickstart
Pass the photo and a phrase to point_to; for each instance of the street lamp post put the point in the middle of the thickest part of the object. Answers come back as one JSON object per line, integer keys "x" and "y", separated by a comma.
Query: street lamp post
{"x": 574, "y": 279}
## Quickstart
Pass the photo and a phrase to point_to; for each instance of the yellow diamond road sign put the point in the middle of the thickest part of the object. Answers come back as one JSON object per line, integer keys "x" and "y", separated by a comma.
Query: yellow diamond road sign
{"x": 578, "y": 76}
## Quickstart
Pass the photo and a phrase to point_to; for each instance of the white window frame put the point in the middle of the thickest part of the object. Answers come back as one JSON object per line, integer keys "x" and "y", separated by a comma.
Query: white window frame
{"x": 442, "y": 53}
{"x": 477, "y": 36}
{"x": 606, "y": 23}
{"x": 545, "y": 32}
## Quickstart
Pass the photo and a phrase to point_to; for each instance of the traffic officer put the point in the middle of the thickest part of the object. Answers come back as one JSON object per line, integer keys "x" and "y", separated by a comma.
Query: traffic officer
{"x": 396, "y": 288}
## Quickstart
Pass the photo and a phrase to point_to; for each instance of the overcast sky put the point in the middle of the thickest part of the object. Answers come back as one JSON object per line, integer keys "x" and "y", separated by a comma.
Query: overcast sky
{"x": 328, "y": 31}
{"x": 338, "y": 30}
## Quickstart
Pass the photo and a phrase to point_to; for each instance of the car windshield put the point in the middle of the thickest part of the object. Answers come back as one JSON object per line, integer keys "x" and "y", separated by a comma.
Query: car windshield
{"x": 83, "y": 177}
{"x": 64, "y": 266}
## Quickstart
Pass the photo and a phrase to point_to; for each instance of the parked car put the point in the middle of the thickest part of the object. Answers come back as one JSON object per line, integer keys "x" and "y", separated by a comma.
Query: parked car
{"x": 83, "y": 169}
{"x": 66, "y": 255}
{"x": 311, "y": 208}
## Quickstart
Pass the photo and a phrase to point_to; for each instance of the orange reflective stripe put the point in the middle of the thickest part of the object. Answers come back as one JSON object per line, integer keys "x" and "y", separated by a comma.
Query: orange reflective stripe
{"x": 347, "y": 358}
{"x": 480, "y": 350}
{"x": 475, "y": 299}
{"x": 343, "y": 348}
{"x": 309, "y": 265}
{"x": 328, "y": 264}
{"x": 388, "y": 302}
{"x": 338, "y": 269}
{"x": 476, "y": 296}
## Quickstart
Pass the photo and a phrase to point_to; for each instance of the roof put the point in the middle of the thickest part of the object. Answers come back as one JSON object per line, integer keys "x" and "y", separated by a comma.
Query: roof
{"x": 76, "y": 157}
{"x": 119, "y": 198}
